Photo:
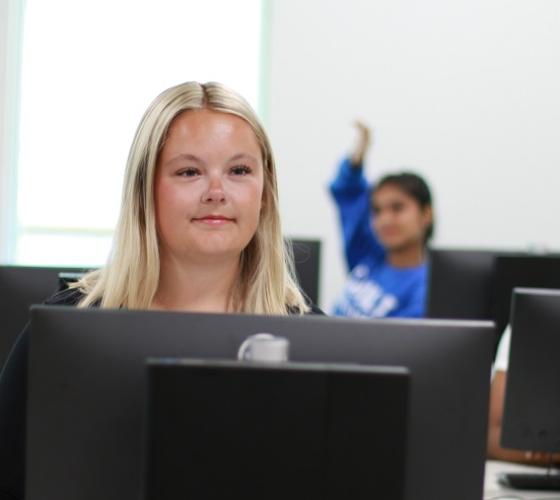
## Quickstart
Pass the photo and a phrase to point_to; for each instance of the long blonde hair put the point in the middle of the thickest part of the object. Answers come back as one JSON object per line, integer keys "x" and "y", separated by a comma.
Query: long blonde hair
{"x": 266, "y": 283}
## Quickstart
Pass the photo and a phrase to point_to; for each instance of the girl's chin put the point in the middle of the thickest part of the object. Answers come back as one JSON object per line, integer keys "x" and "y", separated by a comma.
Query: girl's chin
{"x": 395, "y": 245}
{"x": 390, "y": 242}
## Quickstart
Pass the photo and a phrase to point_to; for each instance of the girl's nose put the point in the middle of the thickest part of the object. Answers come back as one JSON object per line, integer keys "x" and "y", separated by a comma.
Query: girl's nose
{"x": 215, "y": 192}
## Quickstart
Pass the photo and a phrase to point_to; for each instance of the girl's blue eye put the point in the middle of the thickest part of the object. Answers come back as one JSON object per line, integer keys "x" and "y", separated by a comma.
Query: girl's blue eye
{"x": 240, "y": 170}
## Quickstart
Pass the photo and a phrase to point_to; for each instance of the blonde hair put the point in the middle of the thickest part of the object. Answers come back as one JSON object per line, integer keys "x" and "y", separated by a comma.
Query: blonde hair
{"x": 266, "y": 283}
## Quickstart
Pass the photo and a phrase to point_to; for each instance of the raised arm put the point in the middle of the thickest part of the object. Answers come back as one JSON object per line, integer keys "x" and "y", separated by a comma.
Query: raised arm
{"x": 352, "y": 195}
{"x": 363, "y": 141}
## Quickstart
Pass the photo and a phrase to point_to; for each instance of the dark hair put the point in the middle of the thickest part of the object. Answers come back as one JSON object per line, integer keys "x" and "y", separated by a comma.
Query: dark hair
{"x": 415, "y": 187}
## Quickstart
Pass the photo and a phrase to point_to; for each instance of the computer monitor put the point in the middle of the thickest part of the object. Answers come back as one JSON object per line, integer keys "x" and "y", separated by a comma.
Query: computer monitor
{"x": 274, "y": 431}
{"x": 460, "y": 284}
{"x": 531, "y": 418}
{"x": 307, "y": 262}
{"x": 20, "y": 287}
{"x": 86, "y": 390}
{"x": 521, "y": 270}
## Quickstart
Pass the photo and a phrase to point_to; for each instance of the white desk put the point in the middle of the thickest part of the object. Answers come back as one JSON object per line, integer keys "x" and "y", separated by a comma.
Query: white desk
{"x": 493, "y": 490}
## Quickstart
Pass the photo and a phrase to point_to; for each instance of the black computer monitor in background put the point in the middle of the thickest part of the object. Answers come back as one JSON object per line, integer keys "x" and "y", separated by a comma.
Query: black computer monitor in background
{"x": 460, "y": 284}
{"x": 307, "y": 261}
{"x": 521, "y": 270}
{"x": 531, "y": 418}
{"x": 224, "y": 429}
{"x": 87, "y": 382}
{"x": 477, "y": 284}
{"x": 21, "y": 286}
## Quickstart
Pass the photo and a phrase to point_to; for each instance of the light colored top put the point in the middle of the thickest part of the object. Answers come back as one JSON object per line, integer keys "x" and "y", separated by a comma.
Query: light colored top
{"x": 502, "y": 356}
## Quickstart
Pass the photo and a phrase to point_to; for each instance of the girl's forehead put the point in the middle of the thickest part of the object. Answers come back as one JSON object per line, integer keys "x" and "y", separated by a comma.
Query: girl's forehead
{"x": 390, "y": 191}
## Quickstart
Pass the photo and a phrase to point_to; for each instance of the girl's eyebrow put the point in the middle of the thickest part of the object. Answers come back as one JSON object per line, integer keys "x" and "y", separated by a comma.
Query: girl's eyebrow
{"x": 185, "y": 156}
{"x": 243, "y": 156}
{"x": 194, "y": 158}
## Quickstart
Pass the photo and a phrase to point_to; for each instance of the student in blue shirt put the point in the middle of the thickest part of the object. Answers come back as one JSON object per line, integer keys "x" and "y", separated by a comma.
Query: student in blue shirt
{"x": 385, "y": 228}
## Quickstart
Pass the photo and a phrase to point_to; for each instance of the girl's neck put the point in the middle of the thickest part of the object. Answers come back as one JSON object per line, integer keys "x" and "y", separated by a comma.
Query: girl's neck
{"x": 196, "y": 287}
{"x": 410, "y": 256}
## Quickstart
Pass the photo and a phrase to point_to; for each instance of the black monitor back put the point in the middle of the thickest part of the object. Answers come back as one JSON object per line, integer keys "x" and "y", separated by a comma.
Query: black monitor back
{"x": 307, "y": 262}
{"x": 20, "y": 287}
{"x": 531, "y": 419}
{"x": 86, "y": 390}
{"x": 460, "y": 284}
{"x": 273, "y": 431}
{"x": 522, "y": 270}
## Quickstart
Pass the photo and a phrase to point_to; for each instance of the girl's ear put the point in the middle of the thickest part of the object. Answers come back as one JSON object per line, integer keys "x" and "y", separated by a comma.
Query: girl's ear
{"x": 427, "y": 215}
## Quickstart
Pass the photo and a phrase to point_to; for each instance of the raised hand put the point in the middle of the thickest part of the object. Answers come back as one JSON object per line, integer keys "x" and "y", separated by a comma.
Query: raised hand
{"x": 363, "y": 142}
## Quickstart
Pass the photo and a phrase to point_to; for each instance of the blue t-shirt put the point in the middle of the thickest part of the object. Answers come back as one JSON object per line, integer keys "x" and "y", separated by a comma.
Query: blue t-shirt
{"x": 374, "y": 288}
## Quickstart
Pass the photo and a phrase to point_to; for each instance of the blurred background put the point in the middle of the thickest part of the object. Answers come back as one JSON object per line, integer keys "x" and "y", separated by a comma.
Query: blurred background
{"x": 464, "y": 92}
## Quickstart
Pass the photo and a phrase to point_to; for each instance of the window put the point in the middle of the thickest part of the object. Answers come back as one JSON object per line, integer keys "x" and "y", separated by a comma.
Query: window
{"x": 89, "y": 70}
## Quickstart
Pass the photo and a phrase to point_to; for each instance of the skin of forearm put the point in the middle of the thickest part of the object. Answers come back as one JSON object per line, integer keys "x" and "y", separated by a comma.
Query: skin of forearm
{"x": 357, "y": 160}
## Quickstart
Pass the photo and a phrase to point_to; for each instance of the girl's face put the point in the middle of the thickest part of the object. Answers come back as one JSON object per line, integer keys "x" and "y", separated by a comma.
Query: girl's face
{"x": 398, "y": 219}
{"x": 208, "y": 187}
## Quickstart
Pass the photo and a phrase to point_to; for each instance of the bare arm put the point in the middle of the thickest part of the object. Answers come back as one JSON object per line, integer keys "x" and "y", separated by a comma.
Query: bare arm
{"x": 363, "y": 143}
{"x": 494, "y": 450}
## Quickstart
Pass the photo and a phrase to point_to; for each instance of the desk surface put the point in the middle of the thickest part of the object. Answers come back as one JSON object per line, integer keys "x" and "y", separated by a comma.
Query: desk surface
{"x": 492, "y": 490}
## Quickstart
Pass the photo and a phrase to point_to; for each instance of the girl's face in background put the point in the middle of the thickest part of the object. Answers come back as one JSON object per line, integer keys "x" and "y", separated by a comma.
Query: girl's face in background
{"x": 398, "y": 219}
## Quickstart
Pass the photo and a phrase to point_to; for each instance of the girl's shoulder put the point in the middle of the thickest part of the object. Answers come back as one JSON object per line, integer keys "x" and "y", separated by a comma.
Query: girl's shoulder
{"x": 65, "y": 297}
{"x": 313, "y": 309}
{"x": 316, "y": 310}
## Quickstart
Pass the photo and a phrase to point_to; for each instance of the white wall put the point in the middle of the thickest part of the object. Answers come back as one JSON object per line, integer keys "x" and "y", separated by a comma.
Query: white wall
{"x": 467, "y": 92}
{"x": 10, "y": 22}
